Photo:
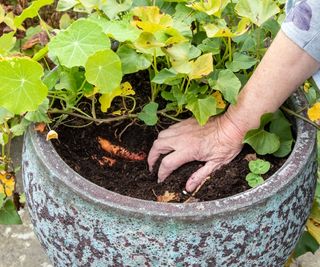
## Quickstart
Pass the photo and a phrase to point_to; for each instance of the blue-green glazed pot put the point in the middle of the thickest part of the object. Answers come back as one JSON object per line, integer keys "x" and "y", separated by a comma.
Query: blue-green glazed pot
{"x": 81, "y": 224}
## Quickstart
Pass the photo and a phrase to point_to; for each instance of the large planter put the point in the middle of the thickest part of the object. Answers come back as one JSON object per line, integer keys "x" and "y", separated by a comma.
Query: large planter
{"x": 81, "y": 224}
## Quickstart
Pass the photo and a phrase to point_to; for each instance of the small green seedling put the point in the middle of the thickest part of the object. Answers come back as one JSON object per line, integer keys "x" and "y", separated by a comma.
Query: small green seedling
{"x": 257, "y": 168}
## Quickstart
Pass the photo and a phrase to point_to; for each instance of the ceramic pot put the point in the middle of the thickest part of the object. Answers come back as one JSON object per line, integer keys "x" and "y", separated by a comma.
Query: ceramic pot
{"x": 81, "y": 224}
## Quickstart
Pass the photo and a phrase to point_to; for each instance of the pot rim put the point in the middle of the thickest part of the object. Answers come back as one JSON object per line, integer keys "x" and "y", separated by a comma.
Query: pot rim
{"x": 303, "y": 148}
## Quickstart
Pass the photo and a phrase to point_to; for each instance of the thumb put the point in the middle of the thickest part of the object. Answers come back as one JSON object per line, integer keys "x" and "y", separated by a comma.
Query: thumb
{"x": 200, "y": 175}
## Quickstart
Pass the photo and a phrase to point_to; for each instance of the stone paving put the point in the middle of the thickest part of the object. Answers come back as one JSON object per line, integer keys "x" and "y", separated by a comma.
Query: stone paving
{"x": 20, "y": 248}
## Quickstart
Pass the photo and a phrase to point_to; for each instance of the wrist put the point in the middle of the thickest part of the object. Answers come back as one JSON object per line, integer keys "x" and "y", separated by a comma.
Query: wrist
{"x": 239, "y": 122}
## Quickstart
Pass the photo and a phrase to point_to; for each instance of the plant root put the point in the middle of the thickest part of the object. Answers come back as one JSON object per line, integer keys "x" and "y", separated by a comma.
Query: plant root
{"x": 120, "y": 151}
{"x": 105, "y": 160}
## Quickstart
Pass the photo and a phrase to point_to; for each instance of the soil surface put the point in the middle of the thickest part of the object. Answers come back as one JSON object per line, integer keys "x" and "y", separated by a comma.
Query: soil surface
{"x": 80, "y": 149}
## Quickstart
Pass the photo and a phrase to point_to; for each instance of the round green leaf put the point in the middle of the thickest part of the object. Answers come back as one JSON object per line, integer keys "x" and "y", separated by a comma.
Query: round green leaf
{"x": 149, "y": 114}
{"x": 9, "y": 214}
{"x": 262, "y": 141}
{"x": 259, "y": 166}
{"x": 21, "y": 88}
{"x": 240, "y": 62}
{"x": 202, "y": 108}
{"x": 254, "y": 179}
{"x": 133, "y": 61}
{"x": 118, "y": 30}
{"x": 74, "y": 45}
{"x": 228, "y": 84}
{"x": 64, "y": 5}
{"x": 103, "y": 69}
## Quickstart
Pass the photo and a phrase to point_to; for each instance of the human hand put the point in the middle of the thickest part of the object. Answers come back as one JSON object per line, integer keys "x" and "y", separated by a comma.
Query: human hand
{"x": 216, "y": 143}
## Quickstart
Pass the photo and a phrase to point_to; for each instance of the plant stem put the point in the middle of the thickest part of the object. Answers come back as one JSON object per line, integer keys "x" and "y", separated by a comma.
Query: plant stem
{"x": 134, "y": 103}
{"x": 258, "y": 44}
{"x": 230, "y": 49}
{"x": 44, "y": 25}
{"x": 99, "y": 121}
{"x": 170, "y": 117}
{"x": 291, "y": 112}
{"x": 123, "y": 117}
{"x": 155, "y": 61}
{"x": 187, "y": 86}
{"x": 182, "y": 84}
{"x": 93, "y": 107}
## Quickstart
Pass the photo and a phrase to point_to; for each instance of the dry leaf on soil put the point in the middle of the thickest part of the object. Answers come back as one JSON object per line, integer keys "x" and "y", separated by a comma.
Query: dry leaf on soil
{"x": 40, "y": 127}
{"x": 52, "y": 135}
{"x": 167, "y": 197}
{"x": 250, "y": 157}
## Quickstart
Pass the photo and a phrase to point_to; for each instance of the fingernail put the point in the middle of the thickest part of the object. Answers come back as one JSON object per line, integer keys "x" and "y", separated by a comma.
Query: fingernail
{"x": 188, "y": 187}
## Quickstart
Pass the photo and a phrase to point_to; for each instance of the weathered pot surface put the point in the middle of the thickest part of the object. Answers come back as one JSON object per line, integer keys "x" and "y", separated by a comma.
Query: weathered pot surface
{"x": 81, "y": 224}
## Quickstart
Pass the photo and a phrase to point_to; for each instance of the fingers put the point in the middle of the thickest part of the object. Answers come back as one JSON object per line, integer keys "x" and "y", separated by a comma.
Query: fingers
{"x": 197, "y": 177}
{"x": 160, "y": 146}
{"x": 172, "y": 162}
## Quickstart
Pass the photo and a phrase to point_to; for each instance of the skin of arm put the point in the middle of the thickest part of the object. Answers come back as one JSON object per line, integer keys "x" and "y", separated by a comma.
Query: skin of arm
{"x": 284, "y": 67}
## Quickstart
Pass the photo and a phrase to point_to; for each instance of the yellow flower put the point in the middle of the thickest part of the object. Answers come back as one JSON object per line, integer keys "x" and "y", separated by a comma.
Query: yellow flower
{"x": 313, "y": 227}
{"x": 6, "y": 183}
{"x": 220, "y": 102}
{"x": 314, "y": 112}
{"x": 306, "y": 87}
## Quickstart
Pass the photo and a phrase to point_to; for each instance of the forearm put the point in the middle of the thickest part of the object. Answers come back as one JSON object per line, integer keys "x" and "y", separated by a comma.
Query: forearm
{"x": 283, "y": 68}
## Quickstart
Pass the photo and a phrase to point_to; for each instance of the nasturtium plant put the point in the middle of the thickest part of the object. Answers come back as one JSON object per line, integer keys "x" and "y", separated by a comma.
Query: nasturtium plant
{"x": 257, "y": 168}
{"x": 103, "y": 69}
{"x": 21, "y": 87}
{"x": 74, "y": 45}
{"x": 254, "y": 179}
{"x": 149, "y": 113}
{"x": 190, "y": 58}
{"x": 272, "y": 137}
{"x": 257, "y": 11}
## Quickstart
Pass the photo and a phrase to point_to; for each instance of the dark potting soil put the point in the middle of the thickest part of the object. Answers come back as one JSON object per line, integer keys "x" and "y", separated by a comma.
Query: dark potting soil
{"x": 80, "y": 149}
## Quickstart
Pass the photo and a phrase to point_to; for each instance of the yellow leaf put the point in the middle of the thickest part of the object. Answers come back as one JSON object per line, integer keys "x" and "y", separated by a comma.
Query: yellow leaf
{"x": 220, "y": 29}
{"x": 148, "y": 26}
{"x": 313, "y": 227}
{"x": 167, "y": 197}
{"x": 219, "y": 100}
{"x": 147, "y": 40}
{"x": 92, "y": 93}
{"x": 52, "y": 134}
{"x": 150, "y": 16}
{"x": 106, "y": 99}
{"x": 314, "y": 112}
{"x": 7, "y": 183}
{"x": 124, "y": 89}
{"x": 201, "y": 67}
{"x": 208, "y": 6}
{"x": 243, "y": 27}
{"x": 224, "y": 3}
{"x": 118, "y": 112}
